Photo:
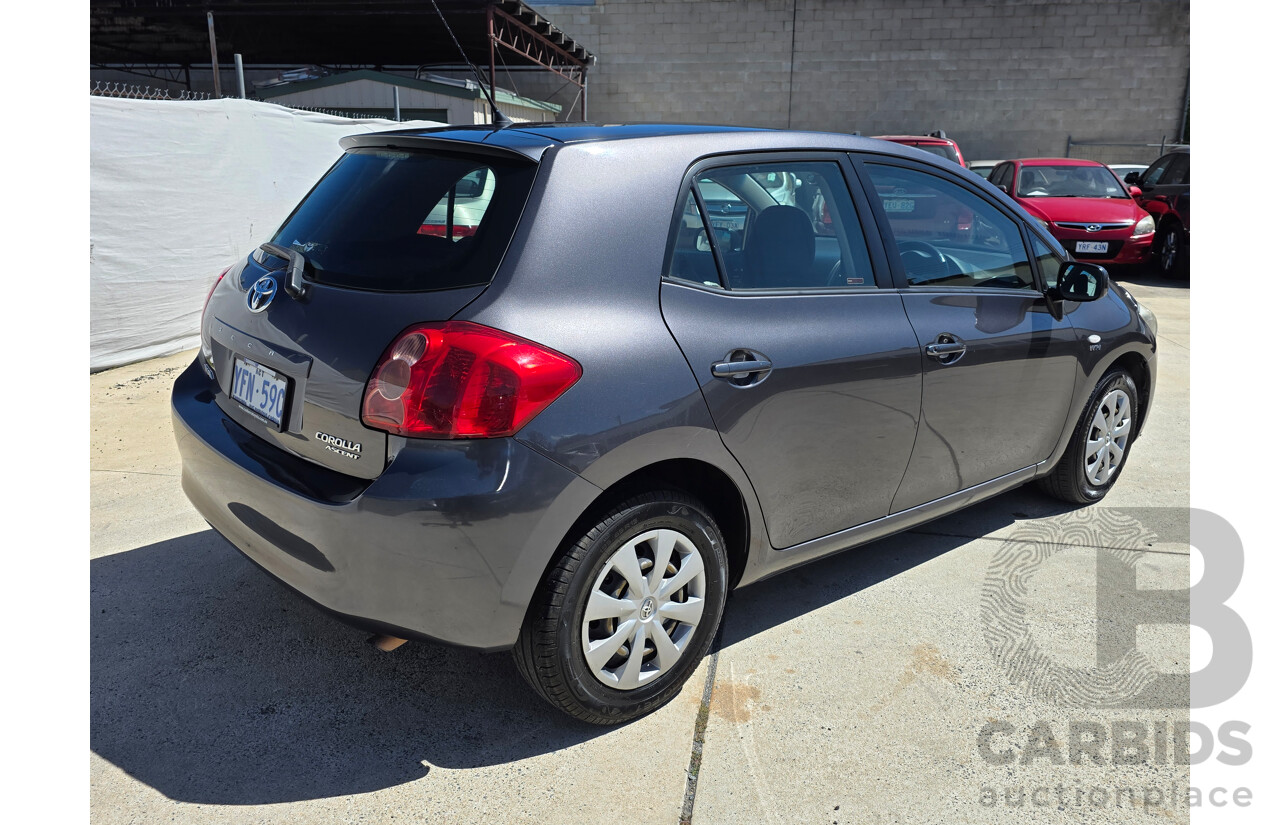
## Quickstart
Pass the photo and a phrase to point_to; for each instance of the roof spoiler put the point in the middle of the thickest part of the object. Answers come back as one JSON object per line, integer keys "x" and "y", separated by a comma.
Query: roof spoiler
{"x": 531, "y": 149}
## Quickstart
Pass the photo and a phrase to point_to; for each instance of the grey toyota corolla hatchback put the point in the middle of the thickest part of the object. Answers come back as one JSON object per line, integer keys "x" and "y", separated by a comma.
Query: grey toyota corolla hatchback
{"x": 558, "y": 389}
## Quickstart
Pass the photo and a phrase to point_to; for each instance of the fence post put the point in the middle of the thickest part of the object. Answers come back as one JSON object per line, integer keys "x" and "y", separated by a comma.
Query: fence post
{"x": 213, "y": 56}
{"x": 395, "y": 100}
{"x": 240, "y": 73}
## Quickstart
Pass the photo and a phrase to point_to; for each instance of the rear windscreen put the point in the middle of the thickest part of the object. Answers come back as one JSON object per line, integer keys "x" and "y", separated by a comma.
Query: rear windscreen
{"x": 942, "y": 150}
{"x": 395, "y": 220}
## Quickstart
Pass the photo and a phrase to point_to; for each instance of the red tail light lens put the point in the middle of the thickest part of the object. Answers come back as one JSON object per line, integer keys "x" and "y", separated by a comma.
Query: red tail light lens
{"x": 463, "y": 380}
{"x": 216, "y": 281}
{"x": 206, "y": 349}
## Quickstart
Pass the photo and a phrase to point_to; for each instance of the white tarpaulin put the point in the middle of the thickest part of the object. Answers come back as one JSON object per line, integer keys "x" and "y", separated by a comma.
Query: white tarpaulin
{"x": 177, "y": 192}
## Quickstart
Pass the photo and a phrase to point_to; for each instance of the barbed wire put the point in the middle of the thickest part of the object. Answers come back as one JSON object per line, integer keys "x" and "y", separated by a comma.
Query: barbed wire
{"x": 131, "y": 91}
{"x": 134, "y": 92}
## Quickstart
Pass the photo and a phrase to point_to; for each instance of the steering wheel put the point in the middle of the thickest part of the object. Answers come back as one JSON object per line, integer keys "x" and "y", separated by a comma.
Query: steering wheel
{"x": 922, "y": 261}
{"x": 836, "y": 276}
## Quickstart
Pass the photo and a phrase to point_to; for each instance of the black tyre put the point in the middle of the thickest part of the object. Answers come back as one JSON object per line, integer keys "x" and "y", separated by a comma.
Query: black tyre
{"x": 1170, "y": 254}
{"x": 626, "y": 613}
{"x": 1099, "y": 444}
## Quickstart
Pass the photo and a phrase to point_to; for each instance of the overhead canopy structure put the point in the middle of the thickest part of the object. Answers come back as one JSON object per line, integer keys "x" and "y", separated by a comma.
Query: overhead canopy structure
{"x": 339, "y": 34}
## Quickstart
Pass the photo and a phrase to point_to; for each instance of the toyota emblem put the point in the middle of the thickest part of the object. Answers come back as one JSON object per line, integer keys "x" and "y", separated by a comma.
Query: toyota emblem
{"x": 261, "y": 293}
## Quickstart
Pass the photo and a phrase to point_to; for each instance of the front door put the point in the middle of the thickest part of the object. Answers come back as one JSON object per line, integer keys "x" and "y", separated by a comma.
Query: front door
{"x": 999, "y": 369}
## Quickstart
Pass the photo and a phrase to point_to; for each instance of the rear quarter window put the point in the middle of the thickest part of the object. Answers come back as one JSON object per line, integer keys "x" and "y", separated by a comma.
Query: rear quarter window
{"x": 408, "y": 221}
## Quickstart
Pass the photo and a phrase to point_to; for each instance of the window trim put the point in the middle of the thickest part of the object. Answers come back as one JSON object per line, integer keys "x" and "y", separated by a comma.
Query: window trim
{"x": 881, "y": 272}
{"x": 1025, "y": 231}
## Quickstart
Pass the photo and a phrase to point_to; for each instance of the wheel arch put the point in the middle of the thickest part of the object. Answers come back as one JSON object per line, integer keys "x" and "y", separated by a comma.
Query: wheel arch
{"x": 699, "y": 479}
{"x": 1139, "y": 370}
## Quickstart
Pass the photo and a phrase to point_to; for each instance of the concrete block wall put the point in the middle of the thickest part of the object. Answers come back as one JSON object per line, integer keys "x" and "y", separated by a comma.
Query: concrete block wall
{"x": 1005, "y": 78}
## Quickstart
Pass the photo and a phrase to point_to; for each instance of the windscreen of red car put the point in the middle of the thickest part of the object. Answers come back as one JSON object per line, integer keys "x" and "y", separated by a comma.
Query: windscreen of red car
{"x": 1068, "y": 182}
{"x": 401, "y": 221}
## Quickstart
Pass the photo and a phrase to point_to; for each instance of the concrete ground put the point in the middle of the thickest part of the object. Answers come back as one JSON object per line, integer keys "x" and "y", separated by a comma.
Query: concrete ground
{"x": 856, "y": 689}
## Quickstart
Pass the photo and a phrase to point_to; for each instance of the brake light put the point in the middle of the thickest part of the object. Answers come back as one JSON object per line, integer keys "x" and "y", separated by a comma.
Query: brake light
{"x": 463, "y": 380}
{"x": 216, "y": 281}
{"x": 206, "y": 349}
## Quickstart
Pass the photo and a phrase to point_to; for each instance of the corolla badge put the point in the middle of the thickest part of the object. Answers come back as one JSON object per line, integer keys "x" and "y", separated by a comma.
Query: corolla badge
{"x": 261, "y": 293}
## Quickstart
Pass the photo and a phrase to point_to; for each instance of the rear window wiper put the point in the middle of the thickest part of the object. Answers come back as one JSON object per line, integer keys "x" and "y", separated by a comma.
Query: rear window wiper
{"x": 295, "y": 286}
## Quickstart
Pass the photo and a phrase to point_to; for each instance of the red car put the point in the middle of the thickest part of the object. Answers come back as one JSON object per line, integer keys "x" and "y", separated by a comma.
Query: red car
{"x": 935, "y": 144}
{"x": 1083, "y": 204}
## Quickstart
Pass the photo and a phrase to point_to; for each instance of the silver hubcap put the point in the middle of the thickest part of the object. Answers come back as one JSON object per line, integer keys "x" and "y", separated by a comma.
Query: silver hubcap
{"x": 1170, "y": 249}
{"x": 643, "y": 609}
{"x": 1108, "y": 436}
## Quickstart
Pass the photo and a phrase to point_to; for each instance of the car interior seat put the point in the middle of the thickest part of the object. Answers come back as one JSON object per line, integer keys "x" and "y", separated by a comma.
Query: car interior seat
{"x": 779, "y": 250}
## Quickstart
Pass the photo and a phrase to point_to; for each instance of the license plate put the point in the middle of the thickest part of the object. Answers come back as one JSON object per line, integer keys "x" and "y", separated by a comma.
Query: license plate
{"x": 1091, "y": 247}
{"x": 899, "y": 205}
{"x": 261, "y": 391}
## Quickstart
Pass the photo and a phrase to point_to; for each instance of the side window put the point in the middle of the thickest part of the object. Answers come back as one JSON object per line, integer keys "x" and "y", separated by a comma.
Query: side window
{"x": 691, "y": 255}
{"x": 787, "y": 225}
{"x": 946, "y": 235}
{"x": 1152, "y": 176}
{"x": 1050, "y": 263}
{"x": 1179, "y": 171}
{"x": 458, "y": 213}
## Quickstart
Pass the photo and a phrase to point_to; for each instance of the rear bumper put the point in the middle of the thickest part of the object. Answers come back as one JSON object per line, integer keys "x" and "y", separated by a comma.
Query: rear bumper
{"x": 448, "y": 543}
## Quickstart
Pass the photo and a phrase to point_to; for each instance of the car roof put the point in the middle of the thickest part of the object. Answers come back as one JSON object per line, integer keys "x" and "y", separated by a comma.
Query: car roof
{"x": 1057, "y": 162}
{"x": 533, "y": 139}
{"x": 916, "y": 138}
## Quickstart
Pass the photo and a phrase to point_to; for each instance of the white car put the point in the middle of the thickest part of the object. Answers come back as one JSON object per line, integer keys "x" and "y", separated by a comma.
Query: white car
{"x": 982, "y": 168}
{"x": 471, "y": 198}
{"x": 1123, "y": 169}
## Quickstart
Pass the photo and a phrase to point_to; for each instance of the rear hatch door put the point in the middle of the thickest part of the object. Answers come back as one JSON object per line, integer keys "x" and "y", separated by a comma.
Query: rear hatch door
{"x": 388, "y": 238}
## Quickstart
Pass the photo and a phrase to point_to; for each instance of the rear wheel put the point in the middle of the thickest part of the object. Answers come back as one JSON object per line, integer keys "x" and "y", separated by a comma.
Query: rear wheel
{"x": 623, "y": 618}
{"x": 1100, "y": 443}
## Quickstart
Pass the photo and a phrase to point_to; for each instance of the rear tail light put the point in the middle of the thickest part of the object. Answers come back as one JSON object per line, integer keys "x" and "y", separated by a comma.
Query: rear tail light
{"x": 206, "y": 349}
{"x": 463, "y": 380}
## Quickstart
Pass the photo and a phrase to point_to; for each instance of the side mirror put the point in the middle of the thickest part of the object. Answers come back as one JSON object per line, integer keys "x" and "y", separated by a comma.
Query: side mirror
{"x": 1135, "y": 191}
{"x": 1003, "y": 187}
{"x": 1080, "y": 281}
{"x": 1133, "y": 177}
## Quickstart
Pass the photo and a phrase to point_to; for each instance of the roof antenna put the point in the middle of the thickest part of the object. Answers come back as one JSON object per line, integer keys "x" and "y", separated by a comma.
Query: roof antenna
{"x": 500, "y": 120}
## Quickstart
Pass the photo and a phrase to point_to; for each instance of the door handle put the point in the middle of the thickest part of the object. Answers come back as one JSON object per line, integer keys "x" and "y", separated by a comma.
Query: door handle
{"x": 739, "y": 369}
{"x": 946, "y": 348}
{"x": 742, "y": 368}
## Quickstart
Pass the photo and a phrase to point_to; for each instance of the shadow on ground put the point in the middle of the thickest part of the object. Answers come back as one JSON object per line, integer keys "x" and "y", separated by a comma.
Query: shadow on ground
{"x": 796, "y": 592}
{"x": 1146, "y": 276}
{"x": 213, "y": 684}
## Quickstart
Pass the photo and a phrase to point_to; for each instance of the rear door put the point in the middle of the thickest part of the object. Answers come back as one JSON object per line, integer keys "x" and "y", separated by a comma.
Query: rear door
{"x": 999, "y": 369}
{"x": 388, "y": 238}
{"x": 810, "y": 370}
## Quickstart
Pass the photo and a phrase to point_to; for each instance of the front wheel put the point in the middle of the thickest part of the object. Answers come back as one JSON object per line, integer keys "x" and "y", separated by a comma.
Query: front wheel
{"x": 625, "y": 615}
{"x": 1100, "y": 443}
{"x": 1171, "y": 252}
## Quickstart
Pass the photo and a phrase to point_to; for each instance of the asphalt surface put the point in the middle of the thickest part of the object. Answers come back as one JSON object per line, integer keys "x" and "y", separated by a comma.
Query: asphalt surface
{"x": 856, "y": 689}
